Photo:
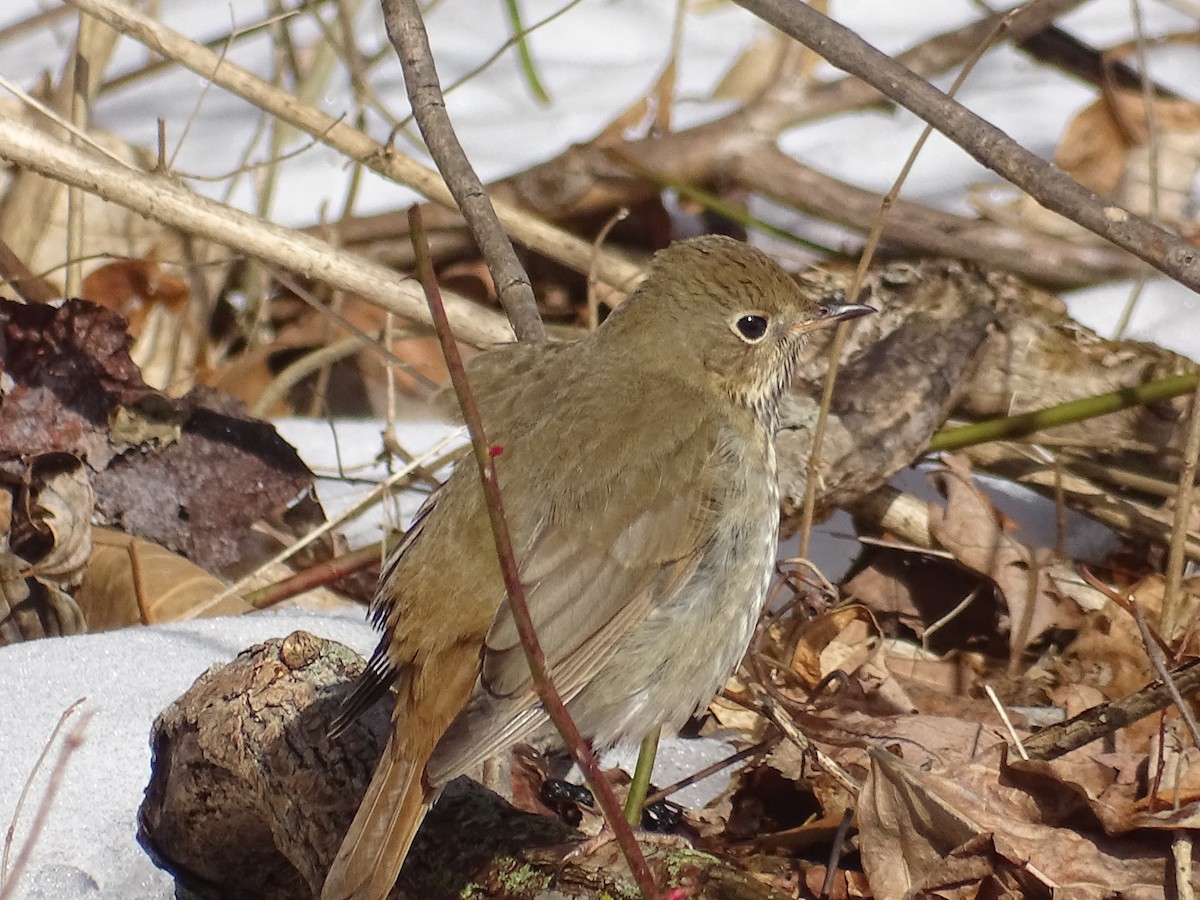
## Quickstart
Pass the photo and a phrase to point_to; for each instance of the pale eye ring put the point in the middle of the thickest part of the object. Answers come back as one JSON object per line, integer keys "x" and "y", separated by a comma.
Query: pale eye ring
{"x": 751, "y": 328}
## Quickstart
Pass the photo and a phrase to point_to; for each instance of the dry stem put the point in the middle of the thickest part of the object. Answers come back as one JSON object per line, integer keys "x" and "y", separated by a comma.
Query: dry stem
{"x": 405, "y": 27}
{"x": 162, "y": 199}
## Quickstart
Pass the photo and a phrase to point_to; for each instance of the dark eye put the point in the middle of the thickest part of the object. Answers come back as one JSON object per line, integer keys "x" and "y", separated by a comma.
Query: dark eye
{"x": 752, "y": 328}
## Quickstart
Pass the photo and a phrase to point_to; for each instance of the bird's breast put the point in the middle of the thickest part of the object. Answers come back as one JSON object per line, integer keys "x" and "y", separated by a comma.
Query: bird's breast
{"x": 690, "y": 643}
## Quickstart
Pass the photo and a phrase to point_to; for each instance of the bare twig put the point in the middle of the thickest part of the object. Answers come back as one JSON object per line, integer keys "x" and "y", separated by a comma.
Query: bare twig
{"x": 1006, "y": 719}
{"x": 712, "y": 769}
{"x": 860, "y": 274}
{"x": 1047, "y": 184}
{"x": 1158, "y": 660}
{"x": 1108, "y": 718}
{"x": 547, "y": 693}
{"x": 405, "y": 27}
{"x": 785, "y": 105}
{"x": 162, "y": 199}
{"x": 916, "y": 227}
{"x": 320, "y": 575}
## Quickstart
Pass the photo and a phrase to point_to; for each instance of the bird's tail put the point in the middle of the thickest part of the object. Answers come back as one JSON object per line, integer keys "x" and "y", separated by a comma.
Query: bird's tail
{"x": 374, "y": 848}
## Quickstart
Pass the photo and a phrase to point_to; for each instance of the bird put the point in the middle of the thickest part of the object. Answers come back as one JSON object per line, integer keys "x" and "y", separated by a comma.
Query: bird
{"x": 637, "y": 469}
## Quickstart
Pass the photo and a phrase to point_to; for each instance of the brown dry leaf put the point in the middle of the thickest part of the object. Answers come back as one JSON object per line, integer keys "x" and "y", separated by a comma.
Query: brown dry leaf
{"x": 247, "y": 375}
{"x": 164, "y": 588}
{"x": 1106, "y": 147}
{"x": 926, "y": 741}
{"x": 926, "y": 593}
{"x": 31, "y": 608}
{"x": 921, "y": 831}
{"x": 941, "y": 685}
{"x": 1107, "y": 654}
{"x": 62, "y": 506}
{"x": 130, "y": 287}
{"x": 1148, "y": 594}
{"x": 970, "y": 527}
{"x": 1112, "y": 788}
{"x": 734, "y": 716}
{"x": 839, "y": 639}
{"x": 205, "y": 471}
{"x": 45, "y": 514}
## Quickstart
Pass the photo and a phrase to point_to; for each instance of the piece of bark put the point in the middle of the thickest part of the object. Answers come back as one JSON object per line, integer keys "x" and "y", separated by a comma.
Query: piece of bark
{"x": 952, "y": 339}
{"x": 249, "y": 798}
{"x": 904, "y": 369}
{"x": 193, "y": 473}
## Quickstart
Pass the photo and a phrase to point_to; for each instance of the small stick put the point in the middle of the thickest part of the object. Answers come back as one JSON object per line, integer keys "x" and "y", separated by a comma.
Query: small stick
{"x": 9, "y": 877}
{"x": 711, "y": 769}
{"x": 1004, "y": 717}
{"x": 406, "y": 29}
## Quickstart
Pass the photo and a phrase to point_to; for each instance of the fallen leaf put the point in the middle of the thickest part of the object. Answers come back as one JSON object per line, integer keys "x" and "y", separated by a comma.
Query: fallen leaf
{"x": 130, "y": 581}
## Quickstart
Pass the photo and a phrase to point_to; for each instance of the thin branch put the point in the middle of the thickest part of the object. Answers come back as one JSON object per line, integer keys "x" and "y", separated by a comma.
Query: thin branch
{"x": 1158, "y": 660}
{"x": 162, "y": 199}
{"x": 10, "y": 877}
{"x": 1109, "y": 718}
{"x": 1025, "y": 424}
{"x": 786, "y": 105}
{"x": 915, "y": 227}
{"x": 1047, "y": 184}
{"x": 406, "y": 28}
{"x": 547, "y": 693}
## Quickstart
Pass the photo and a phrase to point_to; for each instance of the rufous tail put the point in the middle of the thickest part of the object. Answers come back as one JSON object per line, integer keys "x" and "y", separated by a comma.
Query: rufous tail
{"x": 374, "y": 848}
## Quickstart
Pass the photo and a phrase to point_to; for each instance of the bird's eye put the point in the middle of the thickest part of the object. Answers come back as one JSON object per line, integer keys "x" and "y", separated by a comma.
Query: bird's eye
{"x": 751, "y": 328}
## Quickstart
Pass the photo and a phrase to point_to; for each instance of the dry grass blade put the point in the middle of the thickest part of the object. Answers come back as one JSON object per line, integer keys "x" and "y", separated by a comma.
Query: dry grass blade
{"x": 10, "y": 878}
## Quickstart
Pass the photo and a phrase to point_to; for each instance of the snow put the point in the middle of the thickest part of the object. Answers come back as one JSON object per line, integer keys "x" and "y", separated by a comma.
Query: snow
{"x": 596, "y": 60}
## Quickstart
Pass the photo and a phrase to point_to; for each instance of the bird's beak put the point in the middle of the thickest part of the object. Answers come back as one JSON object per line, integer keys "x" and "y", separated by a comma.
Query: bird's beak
{"x": 831, "y": 312}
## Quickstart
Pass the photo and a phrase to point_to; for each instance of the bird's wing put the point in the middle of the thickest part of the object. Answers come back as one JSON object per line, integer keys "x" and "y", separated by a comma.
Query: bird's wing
{"x": 630, "y": 531}
{"x": 632, "y": 527}
{"x": 380, "y": 673}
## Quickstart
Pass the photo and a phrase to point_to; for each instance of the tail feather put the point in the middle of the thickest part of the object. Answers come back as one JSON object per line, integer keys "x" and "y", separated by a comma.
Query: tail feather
{"x": 369, "y": 860}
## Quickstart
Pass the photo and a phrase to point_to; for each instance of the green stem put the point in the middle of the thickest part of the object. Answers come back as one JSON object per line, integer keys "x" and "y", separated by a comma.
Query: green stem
{"x": 640, "y": 786}
{"x": 1025, "y": 424}
{"x": 528, "y": 69}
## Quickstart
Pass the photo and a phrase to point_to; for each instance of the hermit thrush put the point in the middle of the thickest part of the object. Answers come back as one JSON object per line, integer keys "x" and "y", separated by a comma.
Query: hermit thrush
{"x": 637, "y": 467}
